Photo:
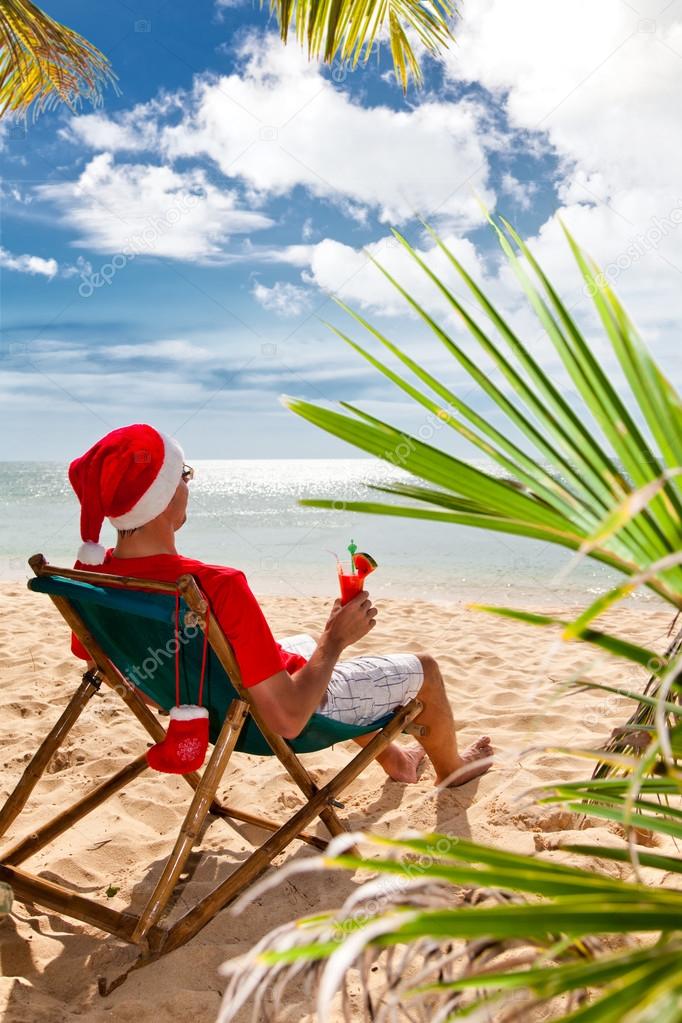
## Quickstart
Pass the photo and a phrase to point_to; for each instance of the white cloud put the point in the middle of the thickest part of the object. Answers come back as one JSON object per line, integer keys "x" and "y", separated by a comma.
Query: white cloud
{"x": 278, "y": 124}
{"x": 521, "y": 192}
{"x": 294, "y": 255}
{"x": 61, "y": 391}
{"x": 350, "y": 274}
{"x": 595, "y": 85}
{"x": 176, "y": 373}
{"x": 133, "y": 130}
{"x": 172, "y": 350}
{"x": 602, "y": 80}
{"x": 25, "y": 264}
{"x": 149, "y": 210}
{"x": 283, "y": 298}
{"x": 353, "y": 211}
{"x": 23, "y": 198}
{"x": 81, "y": 268}
{"x": 639, "y": 250}
{"x": 600, "y": 83}
{"x": 130, "y": 132}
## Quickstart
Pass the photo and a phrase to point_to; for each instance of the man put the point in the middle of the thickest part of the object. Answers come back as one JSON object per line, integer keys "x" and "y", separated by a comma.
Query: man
{"x": 137, "y": 478}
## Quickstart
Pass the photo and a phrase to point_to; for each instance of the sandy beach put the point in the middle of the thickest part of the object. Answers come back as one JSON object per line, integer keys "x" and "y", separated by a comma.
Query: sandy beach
{"x": 502, "y": 678}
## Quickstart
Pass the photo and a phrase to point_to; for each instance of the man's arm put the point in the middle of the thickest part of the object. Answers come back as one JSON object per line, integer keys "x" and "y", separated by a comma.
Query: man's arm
{"x": 288, "y": 701}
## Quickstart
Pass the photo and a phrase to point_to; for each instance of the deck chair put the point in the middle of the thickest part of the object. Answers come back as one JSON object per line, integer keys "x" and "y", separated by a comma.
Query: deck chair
{"x": 122, "y": 622}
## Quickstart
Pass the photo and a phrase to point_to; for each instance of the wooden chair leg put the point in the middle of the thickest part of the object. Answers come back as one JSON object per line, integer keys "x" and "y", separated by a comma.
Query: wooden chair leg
{"x": 28, "y": 888}
{"x": 63, "y": 821}
{"x": 193, "y": 921}
{"x": 160, "y": 942}
{"x": 196, "y": 815}
{"x": 194, "y": 600}
{"x": 233, "y": 813}
{"x": 120, "y": 685}
{"x": 300, "y": 776}
{"x": 33, "y": 773}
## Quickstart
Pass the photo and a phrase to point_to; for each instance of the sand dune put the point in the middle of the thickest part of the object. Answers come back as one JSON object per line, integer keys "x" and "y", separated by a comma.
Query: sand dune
{"x": 502, "y": 678}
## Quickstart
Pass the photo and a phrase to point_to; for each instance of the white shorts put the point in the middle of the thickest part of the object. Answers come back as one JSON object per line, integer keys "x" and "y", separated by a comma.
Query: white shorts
{"x": 364, "y": 689}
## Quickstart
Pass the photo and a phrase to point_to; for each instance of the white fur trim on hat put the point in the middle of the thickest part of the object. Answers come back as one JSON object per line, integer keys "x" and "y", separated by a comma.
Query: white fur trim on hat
{"x": 159, "y": 495}
{"x": 91, "y": 553}
{"x": 188, "y": 712}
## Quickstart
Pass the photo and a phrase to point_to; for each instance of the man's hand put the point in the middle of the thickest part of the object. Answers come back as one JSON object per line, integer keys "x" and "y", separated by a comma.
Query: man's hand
{"x": 287, "y": 701}
{"x": 350, "y": 623}
{"x": 335, "y": 607}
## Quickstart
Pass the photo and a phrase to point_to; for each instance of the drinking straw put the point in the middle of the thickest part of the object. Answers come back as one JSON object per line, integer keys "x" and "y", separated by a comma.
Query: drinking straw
{"x": 352, "y": 547}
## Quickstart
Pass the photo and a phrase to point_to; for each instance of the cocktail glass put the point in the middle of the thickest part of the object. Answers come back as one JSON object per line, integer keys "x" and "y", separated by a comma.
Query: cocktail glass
{"x": 350, "y": 584}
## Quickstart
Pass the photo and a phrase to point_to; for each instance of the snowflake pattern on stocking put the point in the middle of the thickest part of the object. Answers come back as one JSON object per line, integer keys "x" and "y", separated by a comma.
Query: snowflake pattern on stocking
{"x": 189, "y": 748}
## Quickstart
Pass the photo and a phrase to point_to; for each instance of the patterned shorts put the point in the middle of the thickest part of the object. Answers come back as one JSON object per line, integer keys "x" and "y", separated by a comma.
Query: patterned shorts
{"x": 364, "y": 689}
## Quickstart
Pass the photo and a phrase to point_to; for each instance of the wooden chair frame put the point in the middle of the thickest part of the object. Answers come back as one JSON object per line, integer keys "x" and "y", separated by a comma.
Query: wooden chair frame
{"x": 144, "y": 929}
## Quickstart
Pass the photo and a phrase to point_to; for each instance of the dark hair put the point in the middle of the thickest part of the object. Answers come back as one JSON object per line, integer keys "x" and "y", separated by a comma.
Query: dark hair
{"x": 126, "y": 532}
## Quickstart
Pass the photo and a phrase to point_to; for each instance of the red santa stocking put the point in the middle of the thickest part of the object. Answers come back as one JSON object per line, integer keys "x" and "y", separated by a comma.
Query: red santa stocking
{"x": 183, "y": 749}
{"x": 184, "y": 746}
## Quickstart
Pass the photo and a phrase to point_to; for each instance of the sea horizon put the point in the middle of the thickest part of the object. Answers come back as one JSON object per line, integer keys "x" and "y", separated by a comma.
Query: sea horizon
{"x": 244, "y": 513}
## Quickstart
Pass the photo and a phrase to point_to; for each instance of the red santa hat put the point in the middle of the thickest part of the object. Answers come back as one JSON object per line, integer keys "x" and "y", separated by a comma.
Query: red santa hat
{"x": 129, "y": 477}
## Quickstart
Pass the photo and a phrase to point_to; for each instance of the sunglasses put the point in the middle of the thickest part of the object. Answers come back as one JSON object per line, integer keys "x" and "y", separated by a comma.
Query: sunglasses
{"x": 187, "y": 473}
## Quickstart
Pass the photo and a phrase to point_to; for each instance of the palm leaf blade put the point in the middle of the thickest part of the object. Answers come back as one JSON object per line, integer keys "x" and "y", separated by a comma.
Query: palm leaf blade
{"x": 43, "y": 62}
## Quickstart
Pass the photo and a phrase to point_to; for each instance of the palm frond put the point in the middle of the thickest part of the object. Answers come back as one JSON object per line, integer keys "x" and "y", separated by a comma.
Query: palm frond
{"x": 612, "y": 644}
{"x": 348, "y": 30}
{"x": 594, "y": 482}
{"x": 648, "y": 704}
{"x": 42, "y": 62}
{"x": 514, "y": 936}
{"x": 665, "y": 668}
{"x": 455, "y": 926}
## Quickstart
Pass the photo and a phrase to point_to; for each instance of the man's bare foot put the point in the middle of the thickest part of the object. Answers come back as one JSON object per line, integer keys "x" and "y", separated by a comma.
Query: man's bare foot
{"x": 402, "y": 763}
{"x": 476, "y": 760}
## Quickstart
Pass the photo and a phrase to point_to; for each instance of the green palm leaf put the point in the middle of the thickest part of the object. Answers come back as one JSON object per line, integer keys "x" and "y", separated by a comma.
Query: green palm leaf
{"x": 614, "y": 493}
{"x": 43, "y": 62}
{"x": 614, "y": 499}
{"x": 613, "y": 644}
{"x": 343, "y": 29}
{"x": 434, "y": 465}
{"x": 567, "y": 906}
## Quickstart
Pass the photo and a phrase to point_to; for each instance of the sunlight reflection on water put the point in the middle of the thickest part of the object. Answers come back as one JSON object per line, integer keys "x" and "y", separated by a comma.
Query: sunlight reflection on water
{"x": 245, "y": 513}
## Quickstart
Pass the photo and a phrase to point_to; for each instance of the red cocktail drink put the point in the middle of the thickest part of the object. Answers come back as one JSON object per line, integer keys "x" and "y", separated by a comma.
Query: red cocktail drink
{"x": 350, "y": 585}
{"x": 353, "y": 582}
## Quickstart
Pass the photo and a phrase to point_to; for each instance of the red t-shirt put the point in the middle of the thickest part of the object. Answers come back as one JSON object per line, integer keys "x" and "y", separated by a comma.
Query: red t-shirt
{"x": 232, "y": 603}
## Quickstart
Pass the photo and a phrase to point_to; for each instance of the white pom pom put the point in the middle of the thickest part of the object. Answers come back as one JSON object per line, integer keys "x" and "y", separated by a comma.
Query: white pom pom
{"x": 188, "y": 712}
{"x": 90, "y": 553}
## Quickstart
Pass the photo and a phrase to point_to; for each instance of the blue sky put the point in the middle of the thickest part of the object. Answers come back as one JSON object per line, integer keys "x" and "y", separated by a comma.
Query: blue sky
{"x": 170, "y": 257}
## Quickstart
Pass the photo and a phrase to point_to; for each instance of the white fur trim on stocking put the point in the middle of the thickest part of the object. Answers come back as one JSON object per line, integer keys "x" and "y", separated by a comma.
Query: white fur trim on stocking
{"x": 91, "y": 553}
{"x": 159, "y": 495}
{"x": 188, "y": 712}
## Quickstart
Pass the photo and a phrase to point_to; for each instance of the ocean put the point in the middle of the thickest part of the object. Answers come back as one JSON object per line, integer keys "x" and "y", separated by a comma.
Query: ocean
{"x": 245, "y": 513}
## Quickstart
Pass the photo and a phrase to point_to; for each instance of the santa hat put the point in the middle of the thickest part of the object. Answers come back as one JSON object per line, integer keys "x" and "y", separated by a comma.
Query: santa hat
{"x": 129, "y": 477}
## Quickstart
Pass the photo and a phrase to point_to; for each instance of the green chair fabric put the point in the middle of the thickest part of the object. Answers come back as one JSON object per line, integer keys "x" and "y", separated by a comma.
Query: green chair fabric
{"x": 136, "y": 629}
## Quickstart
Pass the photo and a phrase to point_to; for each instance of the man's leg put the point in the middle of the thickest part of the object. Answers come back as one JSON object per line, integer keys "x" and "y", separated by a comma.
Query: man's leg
{"x": 440, "y": 743}
{"x": 401, "y": 763}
